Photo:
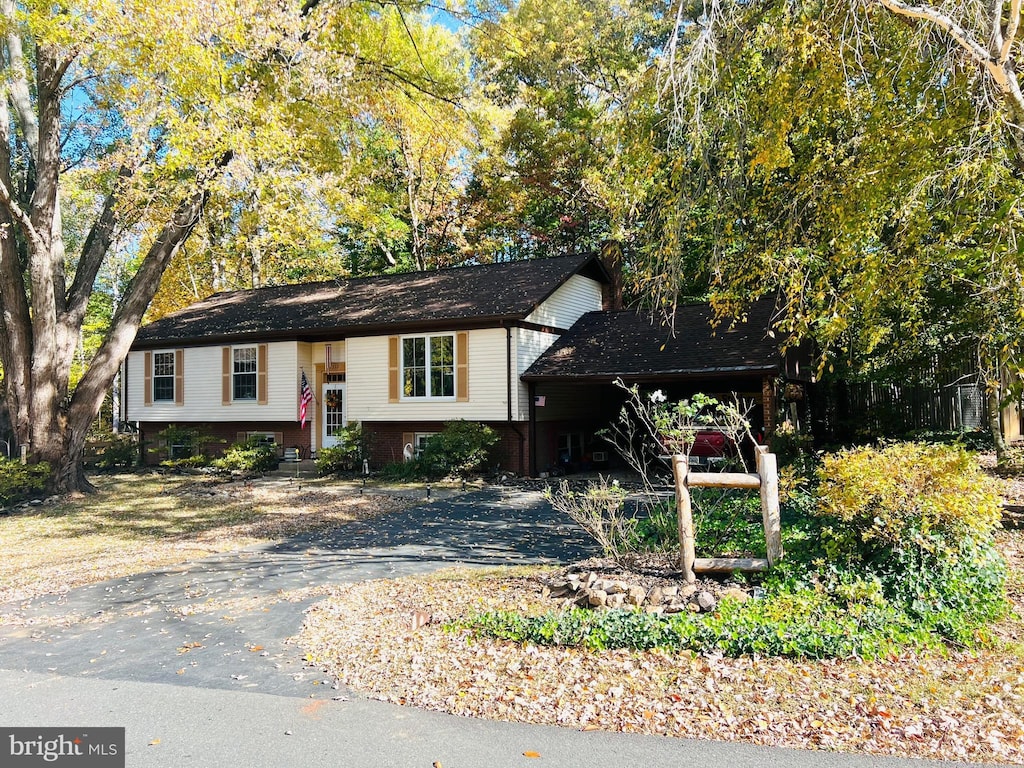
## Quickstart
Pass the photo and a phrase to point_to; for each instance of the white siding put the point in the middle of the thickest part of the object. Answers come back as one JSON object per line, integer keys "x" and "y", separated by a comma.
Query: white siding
{"x": 319, "y": 354}
{"x": 574, "y": 298}
{"x": 203, "y": 388}
{"x": 529, "y": 345}
{"x": 367, "y": 380}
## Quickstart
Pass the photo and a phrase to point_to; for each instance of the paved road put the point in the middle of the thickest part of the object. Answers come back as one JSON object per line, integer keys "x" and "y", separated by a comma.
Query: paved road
{"x": 194, "y": 660}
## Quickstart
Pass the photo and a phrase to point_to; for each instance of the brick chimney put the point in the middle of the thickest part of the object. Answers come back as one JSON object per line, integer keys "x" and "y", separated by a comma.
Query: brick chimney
{"x": 611, "y": 256}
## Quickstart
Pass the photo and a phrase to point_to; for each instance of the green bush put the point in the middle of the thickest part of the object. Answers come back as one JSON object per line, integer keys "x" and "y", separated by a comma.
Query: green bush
{"x": 122, "y": 453}
{"x": 186, "y": 462}
{"x": 254, "y": 455}
{"x": 726, "y": 523}
{"x": 19, "y": 481}
{"x": 347, "y": 455}
{"x": 183, "y": 443}
{"x": 461, "y": 447}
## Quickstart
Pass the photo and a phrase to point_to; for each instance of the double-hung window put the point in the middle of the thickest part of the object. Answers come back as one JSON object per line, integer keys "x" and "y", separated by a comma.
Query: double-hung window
{"x": 243, "y": 378}
{"x": 163, "y": 377}
{"x": 428, "y": 366}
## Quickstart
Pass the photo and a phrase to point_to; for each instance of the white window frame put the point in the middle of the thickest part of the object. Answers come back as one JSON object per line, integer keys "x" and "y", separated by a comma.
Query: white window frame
{"x": 429, "y": 396}
{"x": 172, "y": 376}
{"x": 419, "y": 442}
{"x": 254, "y": 373}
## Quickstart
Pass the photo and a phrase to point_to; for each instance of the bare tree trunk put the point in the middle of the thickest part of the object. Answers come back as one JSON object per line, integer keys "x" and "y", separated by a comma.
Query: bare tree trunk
{"x": 995, "y": 421}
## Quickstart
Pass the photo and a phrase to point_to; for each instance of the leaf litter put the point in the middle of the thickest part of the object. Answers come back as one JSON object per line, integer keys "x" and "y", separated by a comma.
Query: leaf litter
{"x": 965, "y": 706}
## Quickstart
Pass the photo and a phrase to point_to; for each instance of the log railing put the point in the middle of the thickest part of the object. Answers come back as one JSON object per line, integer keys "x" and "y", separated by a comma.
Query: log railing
{"x": 766, "y": 479}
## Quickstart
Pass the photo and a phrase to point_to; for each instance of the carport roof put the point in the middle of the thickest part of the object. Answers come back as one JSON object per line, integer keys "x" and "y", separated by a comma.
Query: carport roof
{"x": 631, "y": 345}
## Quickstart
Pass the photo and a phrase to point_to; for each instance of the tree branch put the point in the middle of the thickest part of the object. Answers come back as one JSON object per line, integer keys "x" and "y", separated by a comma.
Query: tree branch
{"x": 1010, "y": 37}
{"x": 998, "y": 68}
{"x": 97, "y": 243}
{"x": 92, "y": 388}
{"x": 20, "y": 217}
{"x": 974, "y": 49}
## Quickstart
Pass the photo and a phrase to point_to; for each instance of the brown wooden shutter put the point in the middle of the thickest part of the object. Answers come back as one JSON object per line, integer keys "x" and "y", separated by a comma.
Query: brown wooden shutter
{"x": 240, "y": 437}
{"x": 261, "y": 374}
{"x": 462, "y": 366}
{"x": 147, "y": 378}
{"x": 225, "y": 370}
{"x": 279, "y": 438}
{"x": 408, "y": 438}
{"x": 179, "y": 377}
{"x": 393, "y": 371}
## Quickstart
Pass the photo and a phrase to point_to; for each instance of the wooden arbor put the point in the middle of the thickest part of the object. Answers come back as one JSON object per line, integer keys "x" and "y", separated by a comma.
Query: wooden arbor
{"x": 766, "y": 479}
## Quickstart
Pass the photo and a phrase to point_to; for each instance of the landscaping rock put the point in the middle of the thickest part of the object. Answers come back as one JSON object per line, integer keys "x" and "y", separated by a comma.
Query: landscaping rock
{"x": 611, "y": 585}
{"x": 735, "y": 593}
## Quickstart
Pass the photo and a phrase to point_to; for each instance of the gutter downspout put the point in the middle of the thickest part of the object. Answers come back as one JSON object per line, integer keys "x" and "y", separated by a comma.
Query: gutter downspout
{"x": 508, "y": 398}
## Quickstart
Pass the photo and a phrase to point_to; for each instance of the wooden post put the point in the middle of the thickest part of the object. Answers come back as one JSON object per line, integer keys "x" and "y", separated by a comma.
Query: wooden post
{"x": 684, "y": 513}
{"x": 767, "y": 468}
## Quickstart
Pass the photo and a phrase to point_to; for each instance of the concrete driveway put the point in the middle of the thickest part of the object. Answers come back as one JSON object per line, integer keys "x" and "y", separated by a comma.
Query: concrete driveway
{"x": 194, "y": 661}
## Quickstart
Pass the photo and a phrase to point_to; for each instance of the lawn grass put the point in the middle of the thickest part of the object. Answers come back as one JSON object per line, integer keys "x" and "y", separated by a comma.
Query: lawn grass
{"x": 140, "y": 521}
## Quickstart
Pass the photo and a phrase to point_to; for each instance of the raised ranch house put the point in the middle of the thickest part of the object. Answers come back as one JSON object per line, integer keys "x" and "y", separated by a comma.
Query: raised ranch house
{"x": 528, "y": 347}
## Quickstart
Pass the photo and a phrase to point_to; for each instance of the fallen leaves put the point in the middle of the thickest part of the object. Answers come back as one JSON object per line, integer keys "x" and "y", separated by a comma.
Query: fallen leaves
{"x": 96, "y": 538}
{"x": 961, "y": 706}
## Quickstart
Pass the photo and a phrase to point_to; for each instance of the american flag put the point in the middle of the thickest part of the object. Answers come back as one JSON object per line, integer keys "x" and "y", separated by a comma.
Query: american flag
{"x": 305, "y": 398}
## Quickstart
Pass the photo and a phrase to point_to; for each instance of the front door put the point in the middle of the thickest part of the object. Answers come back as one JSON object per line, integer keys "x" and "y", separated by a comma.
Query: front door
{"x": 334, "y": 413}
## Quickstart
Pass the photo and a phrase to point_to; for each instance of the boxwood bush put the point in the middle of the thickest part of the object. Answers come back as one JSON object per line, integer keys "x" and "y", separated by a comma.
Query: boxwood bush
{"x": 254, "y": 455}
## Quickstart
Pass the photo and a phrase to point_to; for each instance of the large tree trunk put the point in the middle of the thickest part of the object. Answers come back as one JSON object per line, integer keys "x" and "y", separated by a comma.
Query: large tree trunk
{"x": 65, "y": 448}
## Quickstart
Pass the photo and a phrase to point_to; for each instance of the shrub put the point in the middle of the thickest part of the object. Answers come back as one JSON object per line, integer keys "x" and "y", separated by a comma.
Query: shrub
{"x": 186, "y": 462}
{"x": 347, "y": 455}
{"x": 121, "y": 453}
{"x": 19, "y": 481}
{"x": 726, "y": 523}
{"x": 254, "y": 455}
{"x": 461, "y": 447}
{"x": 884, "y": 498}
{"x": 920, "y": 518}
{"x": 600, "y": 511}
{"x": 178, "y": 442}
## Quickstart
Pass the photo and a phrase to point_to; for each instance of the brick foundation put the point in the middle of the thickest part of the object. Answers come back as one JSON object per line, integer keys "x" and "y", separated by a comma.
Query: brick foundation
{"x": 386, "y": 447}
{"x": 223, "y": 434}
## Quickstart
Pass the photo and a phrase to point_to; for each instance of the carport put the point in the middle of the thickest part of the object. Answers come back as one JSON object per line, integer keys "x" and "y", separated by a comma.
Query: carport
{"x": 573, "y": 395}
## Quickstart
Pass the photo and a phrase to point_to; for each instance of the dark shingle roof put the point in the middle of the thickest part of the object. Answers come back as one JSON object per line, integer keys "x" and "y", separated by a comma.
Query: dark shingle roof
{"x": 459, "y": 296}
{"x": 628, "y": 344}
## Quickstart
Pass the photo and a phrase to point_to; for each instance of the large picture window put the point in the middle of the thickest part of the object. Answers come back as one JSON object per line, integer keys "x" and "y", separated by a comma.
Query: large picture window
{"x": 428, "y": 366}
{"x": 163, "y": 377}
{"x": 243, "y": 380}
